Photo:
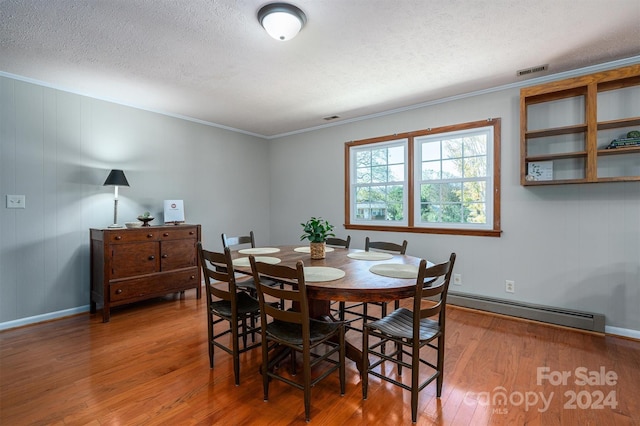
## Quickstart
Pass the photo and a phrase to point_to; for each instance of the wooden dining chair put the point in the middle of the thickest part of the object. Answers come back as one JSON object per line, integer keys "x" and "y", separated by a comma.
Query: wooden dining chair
{"x": 339, "y": 242}
{"x": 364, "y": 314}
{"x": 293, "y": 330}
{"x": 410, "y": 331}
{"x": 226, "y": 304}
{"x": 243, "y": 240}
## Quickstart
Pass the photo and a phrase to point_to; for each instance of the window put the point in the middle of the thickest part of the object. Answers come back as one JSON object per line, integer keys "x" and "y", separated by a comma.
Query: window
{"x": 443, "y": 180}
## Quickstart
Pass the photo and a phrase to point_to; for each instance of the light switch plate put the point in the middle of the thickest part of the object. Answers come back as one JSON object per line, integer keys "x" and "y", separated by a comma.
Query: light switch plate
{"x": 16, "y": 201}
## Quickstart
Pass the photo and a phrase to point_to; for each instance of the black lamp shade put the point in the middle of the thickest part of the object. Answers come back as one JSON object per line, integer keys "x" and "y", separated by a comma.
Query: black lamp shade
{"x": 116, "y": 178}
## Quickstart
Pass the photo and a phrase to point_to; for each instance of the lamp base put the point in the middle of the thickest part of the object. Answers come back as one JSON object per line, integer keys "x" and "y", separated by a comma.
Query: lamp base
{"x": 115, "y": 225}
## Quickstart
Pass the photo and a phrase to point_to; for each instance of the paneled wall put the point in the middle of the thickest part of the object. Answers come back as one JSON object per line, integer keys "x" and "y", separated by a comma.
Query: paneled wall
{"x": 573, "y": 246}
{"x": 57, "y": 149}
{"x": 566, "y": 246}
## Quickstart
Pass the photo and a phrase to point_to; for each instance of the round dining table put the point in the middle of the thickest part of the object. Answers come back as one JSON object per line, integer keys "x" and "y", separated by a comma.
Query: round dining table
{"x": 359, "y": 283}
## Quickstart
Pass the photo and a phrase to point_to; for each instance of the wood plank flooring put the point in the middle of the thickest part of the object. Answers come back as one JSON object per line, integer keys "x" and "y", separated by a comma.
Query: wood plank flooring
{"x": 149, "y": 366}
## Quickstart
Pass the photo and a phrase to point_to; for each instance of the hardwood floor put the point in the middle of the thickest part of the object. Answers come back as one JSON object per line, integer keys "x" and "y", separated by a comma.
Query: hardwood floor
{"x": 149, "y": 365}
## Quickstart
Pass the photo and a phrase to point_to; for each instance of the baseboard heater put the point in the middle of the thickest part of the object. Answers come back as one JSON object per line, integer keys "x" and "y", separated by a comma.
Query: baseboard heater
{"x": 565, "y": 317}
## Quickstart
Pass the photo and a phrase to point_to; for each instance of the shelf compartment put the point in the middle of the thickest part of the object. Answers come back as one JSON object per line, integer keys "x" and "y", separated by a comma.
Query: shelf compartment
{"x": 619, "y": 151}
{"x": 616, "y": 124}
{"x": 565, "y": 130}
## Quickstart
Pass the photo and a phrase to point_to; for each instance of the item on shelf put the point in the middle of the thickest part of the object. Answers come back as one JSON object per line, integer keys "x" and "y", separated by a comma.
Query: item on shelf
{"x": 132, "y": 224}
{"x": 622, "y": 142}
{"x": 540, "y": 170}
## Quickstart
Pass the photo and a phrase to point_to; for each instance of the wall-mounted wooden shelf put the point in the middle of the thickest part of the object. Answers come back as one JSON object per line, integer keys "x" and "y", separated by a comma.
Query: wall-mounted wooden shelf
{"x": 568, "y": 123}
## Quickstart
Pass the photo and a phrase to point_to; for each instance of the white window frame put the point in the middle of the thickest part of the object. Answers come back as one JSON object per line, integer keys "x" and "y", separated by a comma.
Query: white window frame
{"x": 354, "y": 185}
{"x": 411, "y": 222}
{"x": 487, "y": 179}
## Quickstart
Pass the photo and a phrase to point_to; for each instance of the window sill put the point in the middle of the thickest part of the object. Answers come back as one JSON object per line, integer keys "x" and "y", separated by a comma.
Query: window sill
{"x": 445, "y": 231}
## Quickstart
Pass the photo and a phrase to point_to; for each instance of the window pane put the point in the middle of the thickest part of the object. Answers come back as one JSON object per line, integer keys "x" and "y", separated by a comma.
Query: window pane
{"x": 430, "y": 151}
{"x": 452, "y": 213}
{"x": 362, "y": 195}
{"x": 379, "y": 156}
{"x": 431, "y": 213}
{"x": 452, "y": 192}
{"x": 396, "y": 173}
{"x": 474, "y": 191}
{"x": 363, "y": 158}
{"x": 452, "y": 169}
{"x": 475, "y": 167}
{"x": 452, "y": 148}
{"x": 475, "y": 213}
{"x": 396, "y": 155}
{"x": 431, "y": 170}
{"x": 363, "y": 175}
{"x": 379, "y": 174}
{"x": 475, "y": 145}
{"x": 395, "y": 202}
{"x": 430, "y": 193}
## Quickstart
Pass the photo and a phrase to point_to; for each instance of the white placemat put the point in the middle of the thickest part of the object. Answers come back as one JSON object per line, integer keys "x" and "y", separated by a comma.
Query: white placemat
{"x": 259, "y": 250}
{"x": 244, "y": 261}
{"x": 395, "y": 270}
{"x": 370, "y": 255}
{"x": 315, "y": 274}
{"x": 307, "y": 249}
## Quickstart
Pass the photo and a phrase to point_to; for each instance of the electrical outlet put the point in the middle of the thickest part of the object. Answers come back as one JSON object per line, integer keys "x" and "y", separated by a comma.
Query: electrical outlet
{"x": 15, "y": 201}
{"x": 457, "y": 279}
{"x": 510, "y": 286}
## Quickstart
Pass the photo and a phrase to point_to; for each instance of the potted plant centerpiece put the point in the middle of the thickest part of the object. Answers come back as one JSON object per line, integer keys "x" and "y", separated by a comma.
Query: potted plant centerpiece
{"x": 316, "y": 230}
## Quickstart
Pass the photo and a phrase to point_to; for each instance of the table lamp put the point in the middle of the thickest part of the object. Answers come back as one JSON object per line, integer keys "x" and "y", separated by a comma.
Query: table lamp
{"x": 116, "y": 178}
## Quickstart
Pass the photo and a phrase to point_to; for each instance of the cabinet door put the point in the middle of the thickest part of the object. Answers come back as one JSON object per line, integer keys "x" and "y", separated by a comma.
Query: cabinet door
{"x": 134, "y": 259}
{"x": 177, "y": 254}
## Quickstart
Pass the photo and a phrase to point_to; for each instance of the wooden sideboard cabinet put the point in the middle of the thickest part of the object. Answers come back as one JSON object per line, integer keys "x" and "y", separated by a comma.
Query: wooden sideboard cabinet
{"x": 129, "y": 265}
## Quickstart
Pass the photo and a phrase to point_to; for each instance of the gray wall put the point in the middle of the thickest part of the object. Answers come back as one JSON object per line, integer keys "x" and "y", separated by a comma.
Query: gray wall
{"x": 57, "y": 149}
{"x": 571, "y": 246}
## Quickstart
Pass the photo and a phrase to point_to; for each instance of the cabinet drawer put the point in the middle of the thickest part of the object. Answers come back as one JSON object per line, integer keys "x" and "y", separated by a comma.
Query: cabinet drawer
{"x": 153, "y": 286}
{"x": 133, "y": 235}
{"x": 134, "y": 259}
{"x": 177, "y": 254}
{"x": 178, "y": 233}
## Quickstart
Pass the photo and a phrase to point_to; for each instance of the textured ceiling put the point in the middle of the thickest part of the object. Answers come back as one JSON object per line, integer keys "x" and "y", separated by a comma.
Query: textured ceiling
{"x": 211, "y": 60}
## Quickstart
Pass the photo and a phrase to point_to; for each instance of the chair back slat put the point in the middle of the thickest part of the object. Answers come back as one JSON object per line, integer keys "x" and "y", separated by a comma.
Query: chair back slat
{"x": 386, "y": 246}
{"x": 432, "y": 282}
{"x": 232, "y": 241}
{"x": 215, "y": 266}
{"x": 293, "y": 290}
{"x": 339, "y": 242}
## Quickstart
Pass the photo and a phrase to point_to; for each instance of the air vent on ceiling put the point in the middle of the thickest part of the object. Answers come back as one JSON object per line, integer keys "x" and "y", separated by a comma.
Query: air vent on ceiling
{"x": 331, "y": 117}
{"x": 532, "y": 70}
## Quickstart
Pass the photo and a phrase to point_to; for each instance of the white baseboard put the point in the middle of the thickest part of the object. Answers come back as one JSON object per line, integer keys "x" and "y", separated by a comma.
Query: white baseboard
{"x": 44, "y": 317}
{"x": 624, "y": 332}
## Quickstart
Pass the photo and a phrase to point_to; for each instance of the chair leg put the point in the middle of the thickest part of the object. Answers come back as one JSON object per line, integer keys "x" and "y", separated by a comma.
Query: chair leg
{"x": 265, "y": 367}
{"x": 307, "y": 384}
{"x": 341, "y": 308}
{"x": 440, "y": 365}
{"x": 415, "y": 375}
{"x": 365, "y": 362}
{"x": 235, "y": 347}
{"x": 211, "y": 345}
{"x": 383, "y": 309}
{"x": 342, "y": 366}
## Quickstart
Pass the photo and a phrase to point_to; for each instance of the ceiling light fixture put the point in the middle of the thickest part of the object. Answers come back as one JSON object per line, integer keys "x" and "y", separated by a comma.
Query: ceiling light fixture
{"x": 282, "y": 21}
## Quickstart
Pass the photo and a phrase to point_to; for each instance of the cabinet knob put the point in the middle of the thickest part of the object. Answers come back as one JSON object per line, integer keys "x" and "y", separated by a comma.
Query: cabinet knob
{"x": 191, "y": 232}
{"x": 166, "y": 234}
{"x": 118, "y": 237}
{"x": 149, "y": 235}
{"x": 152, "y": 257}
{"x": 193, "y": 277}
{"x": 118, "y": 291}
{"x": 164, "y": 256}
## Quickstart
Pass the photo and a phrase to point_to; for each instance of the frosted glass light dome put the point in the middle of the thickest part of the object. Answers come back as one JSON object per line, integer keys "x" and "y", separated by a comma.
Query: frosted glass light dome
{"x": 282, "y": 21}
